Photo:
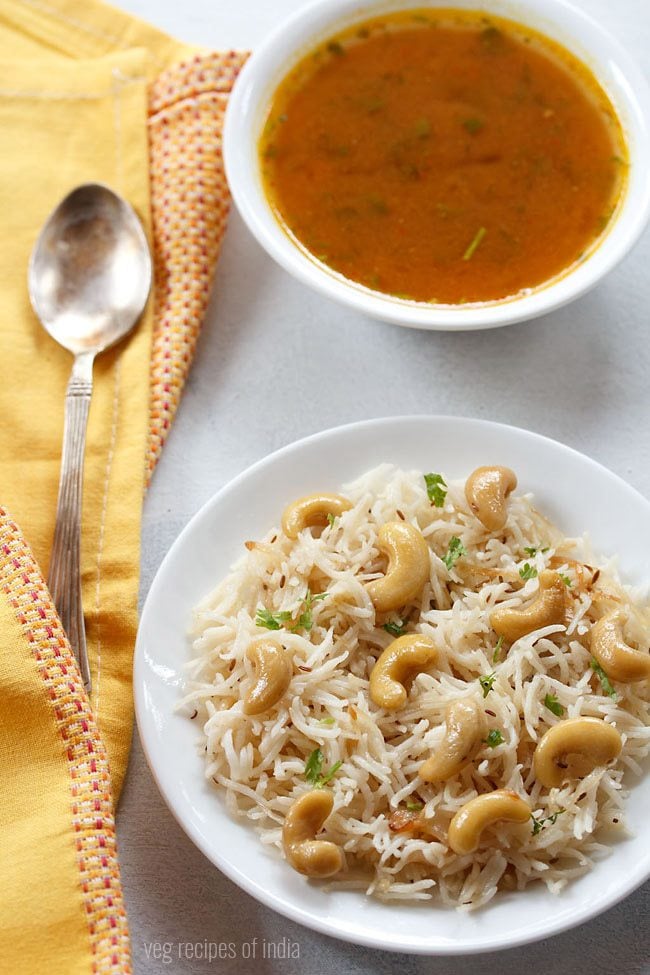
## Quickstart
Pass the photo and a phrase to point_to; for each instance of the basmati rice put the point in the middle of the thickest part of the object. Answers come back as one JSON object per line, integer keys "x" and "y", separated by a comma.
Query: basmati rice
{"x": 392, "y": 826}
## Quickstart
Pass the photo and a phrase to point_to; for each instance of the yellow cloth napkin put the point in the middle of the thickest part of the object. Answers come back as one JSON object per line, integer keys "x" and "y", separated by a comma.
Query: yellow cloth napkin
{"x": 87, "y": 93}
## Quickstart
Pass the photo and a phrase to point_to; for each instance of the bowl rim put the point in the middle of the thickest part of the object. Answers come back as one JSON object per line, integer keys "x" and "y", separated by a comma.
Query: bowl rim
{"x": 148, "y": 670}
{"x": 607, "y": 58}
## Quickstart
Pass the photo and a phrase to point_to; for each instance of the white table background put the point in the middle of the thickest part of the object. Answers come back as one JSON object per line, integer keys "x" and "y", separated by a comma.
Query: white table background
{"x": 276, "y": 363}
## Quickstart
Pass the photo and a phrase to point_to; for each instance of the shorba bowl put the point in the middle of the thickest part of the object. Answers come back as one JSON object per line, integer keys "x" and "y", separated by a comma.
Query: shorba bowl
{"x": 557, "y": 20}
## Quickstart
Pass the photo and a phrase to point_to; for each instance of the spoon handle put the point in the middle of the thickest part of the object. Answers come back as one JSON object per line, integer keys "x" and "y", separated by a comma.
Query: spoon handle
{"x": 64, "y": 578}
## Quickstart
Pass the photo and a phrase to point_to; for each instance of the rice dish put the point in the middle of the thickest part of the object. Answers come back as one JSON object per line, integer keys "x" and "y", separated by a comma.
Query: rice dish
{"x": 310, "y": 596}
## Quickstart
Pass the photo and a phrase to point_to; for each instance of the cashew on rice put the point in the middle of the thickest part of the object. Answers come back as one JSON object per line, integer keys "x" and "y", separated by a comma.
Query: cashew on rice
{"x": 464, "y": 733}
{"x": 273, "y": 669}
{"x": 306, "y": 854}
{"x": 573, "y": 748}
{"x": 548, "y": 608}
{"x": 619, "y": 661}
{"x": 486, "y": 491}
{"x": 403, "y": 658}
{"x": 408, "y": 566}
{"x": 312, "y": 510}
{"x": 466, "y": 828}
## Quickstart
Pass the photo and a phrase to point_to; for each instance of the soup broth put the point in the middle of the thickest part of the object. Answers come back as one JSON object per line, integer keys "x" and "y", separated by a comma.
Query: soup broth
{"x": 444, "y": 157}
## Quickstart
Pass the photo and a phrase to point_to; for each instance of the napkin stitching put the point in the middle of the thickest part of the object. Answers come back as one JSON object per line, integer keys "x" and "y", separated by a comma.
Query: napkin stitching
{"x": 53, "y": 95}
{"x": 69, "y": 95}
{"x": 73, "y": 22}
{"x": 119, "y": 81}
{"x": 91, "y": 806}
{"x": 102, "y": 526}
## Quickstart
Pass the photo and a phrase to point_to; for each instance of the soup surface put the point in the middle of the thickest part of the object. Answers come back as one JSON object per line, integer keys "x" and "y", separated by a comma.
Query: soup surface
{"x": 444, "y": 157}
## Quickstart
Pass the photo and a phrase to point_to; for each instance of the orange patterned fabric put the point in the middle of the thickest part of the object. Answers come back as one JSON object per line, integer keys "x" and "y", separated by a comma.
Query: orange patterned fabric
{"x": 190, "y": 202}
{"x": 89, "y": 780}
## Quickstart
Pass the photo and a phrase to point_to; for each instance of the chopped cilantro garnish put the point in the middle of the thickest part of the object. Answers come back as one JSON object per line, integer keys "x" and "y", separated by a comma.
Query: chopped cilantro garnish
{"x": 528, "y": 572}
{"x": 551, "y": 702}
{"x": 455, "y": 551}
{"x": 395, "y": 627}
{"x": 275, "y": 621}
{"x": 305, "y": 620}
{"x": 414, "y": 806}
{"x": 272, "y": 621}
{"x": 491, "y": 36}
{"x": 329, "y": 775}
{"x": 565, "y": 580}
{"x": 331, "y": 519}
{"x": 497, "y": 650}
{"x": 533, "y": 550}
{"x": 603, "y": 678}
{"x": 494, "y": 738}
{"x": 471, "y": 250}
{"x": 313, "y": 770}
{"x": 540, "y": 823}
{"x": 473, "y": 125}
{"x": 486, "y": 682}
{"x": 313, "y": 766}
{"x": 436, "y": 489}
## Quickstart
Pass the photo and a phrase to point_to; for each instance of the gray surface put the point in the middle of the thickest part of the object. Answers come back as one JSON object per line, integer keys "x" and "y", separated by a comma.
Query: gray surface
{"x": 580, "y": 376}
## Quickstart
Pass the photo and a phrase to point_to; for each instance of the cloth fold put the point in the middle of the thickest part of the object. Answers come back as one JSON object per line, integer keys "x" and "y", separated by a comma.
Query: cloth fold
{"x": 88, "y": 93}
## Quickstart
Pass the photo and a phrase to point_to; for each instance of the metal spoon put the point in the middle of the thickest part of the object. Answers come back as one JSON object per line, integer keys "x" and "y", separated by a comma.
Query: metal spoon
{"x": 89, "y": 278}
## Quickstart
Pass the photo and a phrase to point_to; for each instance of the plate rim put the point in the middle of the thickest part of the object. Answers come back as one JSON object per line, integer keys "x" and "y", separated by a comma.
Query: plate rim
{"x": 276, "y": 902}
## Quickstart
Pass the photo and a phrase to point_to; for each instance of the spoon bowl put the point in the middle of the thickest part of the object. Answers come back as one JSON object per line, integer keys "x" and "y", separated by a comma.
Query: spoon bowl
{"x": 90, "y": 271}
{"x": 89, "y": 278}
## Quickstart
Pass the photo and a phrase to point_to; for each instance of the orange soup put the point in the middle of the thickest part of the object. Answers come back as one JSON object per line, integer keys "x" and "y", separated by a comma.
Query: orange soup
{"x": 443, "y": 156}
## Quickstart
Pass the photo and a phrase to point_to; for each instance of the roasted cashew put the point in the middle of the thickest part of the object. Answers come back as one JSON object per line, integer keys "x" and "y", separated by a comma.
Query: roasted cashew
{"x": 465, "y": 730}
{"x": 306, "y": 854}
{"x": 311, "y": 510}
{"x": 273, "y": 671}
{"x": 572, "y": 749}
{"x": 486, "y": 490}
{"x": 618, "y": 660}
{"x": 549, "y": 607}
{"x": 408, "y": 566}
{"x": 404, "y": 657}
{"x": 466, "y": 827}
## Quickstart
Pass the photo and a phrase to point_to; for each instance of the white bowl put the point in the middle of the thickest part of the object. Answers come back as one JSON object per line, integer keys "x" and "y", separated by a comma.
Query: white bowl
{"x": 572, "y": 490}
{"x": 269, "y": 64}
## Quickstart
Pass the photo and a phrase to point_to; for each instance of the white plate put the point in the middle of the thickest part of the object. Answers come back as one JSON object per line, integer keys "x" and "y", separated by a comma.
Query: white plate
{"x": 575, "y": 492}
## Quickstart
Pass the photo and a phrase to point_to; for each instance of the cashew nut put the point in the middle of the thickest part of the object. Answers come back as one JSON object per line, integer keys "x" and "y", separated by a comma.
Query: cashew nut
{"x": 466, "y": 827}
{"x": 408, "y": 566}
{"x": 465, "y": 730}
{"x": 273, "y": 671}
{"x": 306, "y": 854}
{"x": 486, "y": 490}
{"x": 572, "y": 749}
{"x": 617, "y": 659}
{"x": 311, "y": 510}
{"x": 404, "y": 657}
{"x": 549, "y": 607}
